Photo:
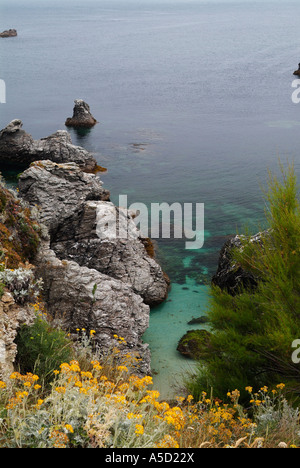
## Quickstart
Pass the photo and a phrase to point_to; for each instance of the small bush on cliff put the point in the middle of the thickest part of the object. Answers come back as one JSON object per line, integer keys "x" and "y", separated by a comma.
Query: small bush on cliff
{"x": 21, "y": 282}
{"x": 253, "y": 331}
{"x": 19, "y": 232}
{"x": 42, "y": 348}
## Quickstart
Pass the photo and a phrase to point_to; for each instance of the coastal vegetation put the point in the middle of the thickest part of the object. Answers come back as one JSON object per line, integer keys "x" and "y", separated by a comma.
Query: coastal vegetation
{"x": 100, "y": 402}
{"x": 19, "y": 231}
{"x": 252, "y": 330}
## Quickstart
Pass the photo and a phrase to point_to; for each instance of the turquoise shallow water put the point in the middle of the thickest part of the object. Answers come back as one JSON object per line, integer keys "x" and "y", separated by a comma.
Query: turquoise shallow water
{"x": 168, "y": 321}
{"x": 194, "y": 105}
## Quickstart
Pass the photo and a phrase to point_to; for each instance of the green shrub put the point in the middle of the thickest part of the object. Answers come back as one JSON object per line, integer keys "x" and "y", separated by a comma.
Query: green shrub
{"x": 253, "y": 331}
{"x": 42, "y": 348}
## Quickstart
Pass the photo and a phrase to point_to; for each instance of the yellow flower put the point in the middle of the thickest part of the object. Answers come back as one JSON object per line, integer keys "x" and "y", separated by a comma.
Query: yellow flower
{"x": 249, "y": 389}
{"x": 139, "y": 429}
{"x": 168, "y": 442}
{"x": 15, "y": 375}
{"x": 60, "y": 390}
{"x": 134, "y": 416}
{"x": 74, "y": 367}
{"x": 69, "y": 428}
{"x": 280, "y": 386}
{"x": 2, "y": 384}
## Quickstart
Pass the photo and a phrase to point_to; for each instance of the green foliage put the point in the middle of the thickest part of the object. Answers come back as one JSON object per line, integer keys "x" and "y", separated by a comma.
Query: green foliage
{"x": 42, "y": 348}
{"x": 253, "y": 331}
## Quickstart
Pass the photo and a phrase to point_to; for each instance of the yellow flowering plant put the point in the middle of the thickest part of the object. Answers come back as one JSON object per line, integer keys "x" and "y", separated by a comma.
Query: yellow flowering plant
{"x": 101, "y": 403}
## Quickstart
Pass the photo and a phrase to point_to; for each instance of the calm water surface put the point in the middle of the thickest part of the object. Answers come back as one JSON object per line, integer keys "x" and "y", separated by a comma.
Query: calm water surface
{"x": 194, "y": 105}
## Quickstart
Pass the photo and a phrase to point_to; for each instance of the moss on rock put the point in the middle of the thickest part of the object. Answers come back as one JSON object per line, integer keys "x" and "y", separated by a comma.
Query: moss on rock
{"x": 195, "y": 344}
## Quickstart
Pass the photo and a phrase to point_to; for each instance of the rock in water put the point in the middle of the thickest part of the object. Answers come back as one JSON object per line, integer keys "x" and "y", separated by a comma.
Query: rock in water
{"x": 195, "y": 344}
{"x": 9, "y": 33}
{"x": 19, "y": 148}
{"x": 82, "y": 116}
{"x": 230, "y": 276}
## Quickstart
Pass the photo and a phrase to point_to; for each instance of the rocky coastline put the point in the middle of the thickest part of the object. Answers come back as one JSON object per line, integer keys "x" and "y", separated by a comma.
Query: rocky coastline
{"x": 90, "y": 281}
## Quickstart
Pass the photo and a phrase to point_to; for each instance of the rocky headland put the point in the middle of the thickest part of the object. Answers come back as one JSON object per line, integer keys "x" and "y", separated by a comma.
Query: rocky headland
{"x": 90, "y": 279}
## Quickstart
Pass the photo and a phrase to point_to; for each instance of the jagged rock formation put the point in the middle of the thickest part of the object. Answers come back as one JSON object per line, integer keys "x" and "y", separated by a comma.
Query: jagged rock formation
{"x": 82, "y": 116}
{"x": 124, "y": 259}
{"x": 59, "y": 189}
{"x": 9, "y": 33}
{"x": 80, "y": 297}
{"x": 18, "y": 147}
{"x": 12, "y": 316}
{"x": 75, "y": 209}
{"x": 92, "y": 279}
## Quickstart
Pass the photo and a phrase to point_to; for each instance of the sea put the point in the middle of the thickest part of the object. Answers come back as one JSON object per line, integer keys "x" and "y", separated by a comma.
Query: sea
{"x": 196, "y": 103}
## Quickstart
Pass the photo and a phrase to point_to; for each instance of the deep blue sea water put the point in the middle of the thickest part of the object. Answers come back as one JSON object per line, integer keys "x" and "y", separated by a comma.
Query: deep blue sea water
{"x": 194, "y": 105}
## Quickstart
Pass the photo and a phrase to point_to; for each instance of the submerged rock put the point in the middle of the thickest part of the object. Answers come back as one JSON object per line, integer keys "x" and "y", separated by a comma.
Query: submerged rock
{"x": 82, "y": 116}
{"x": 9, "y": 33}
{"x": 198, "y": 320}
{"x": 19, "y": 148}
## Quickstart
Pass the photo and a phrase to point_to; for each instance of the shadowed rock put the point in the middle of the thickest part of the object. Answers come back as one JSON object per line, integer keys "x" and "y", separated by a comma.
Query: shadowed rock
{"x": 230, "y": 276}
{"x": 80, "y": 297}
{"x": 19, "y": 148}
{"x": 83, "y": 237}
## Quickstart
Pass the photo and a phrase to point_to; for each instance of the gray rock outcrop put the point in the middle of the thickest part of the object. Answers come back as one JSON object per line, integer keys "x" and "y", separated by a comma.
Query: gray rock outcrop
{"x": 92, "y": 278}
{"x": 82, "y": 116}
{"x": 230, "y": 276}
{"x": 75, "y": 208}
{"x": 80, "y": 297}
{"x": 12, "y": 316}
{"x": 83, "y": 238}
{"x": 18, "y": 147}
{"x": 59, "y": 190}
